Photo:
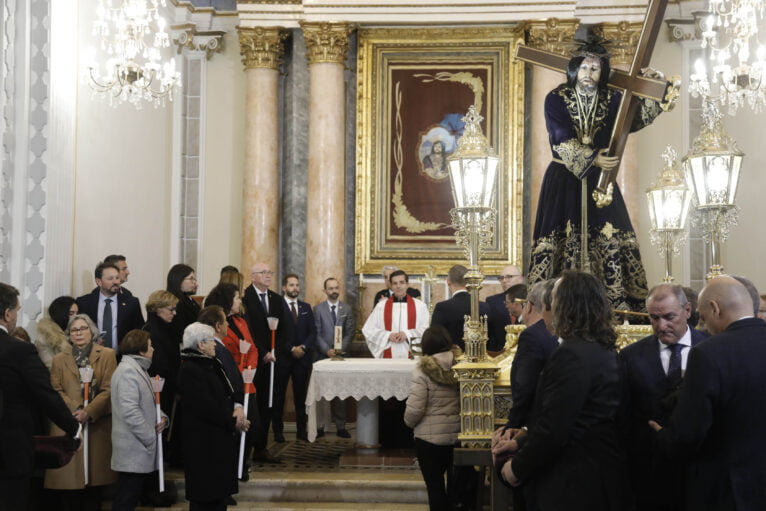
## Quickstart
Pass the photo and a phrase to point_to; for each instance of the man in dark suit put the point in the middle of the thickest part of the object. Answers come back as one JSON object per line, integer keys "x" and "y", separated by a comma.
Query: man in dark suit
{"x": 451, "y": 313}
{"x": 329, "y": 314}
{"x": 25, "y": 391}
{"x": 498, "y": 314}
{"x": 536, "y": 344}
{"x": 720, "y": 418}
{"x": 301, "y": 331}
{"x": 115, "y": 314}
{"x": 122, "y": 264}
{"x": 386, "y": 293}
{"x": 652, "y": 371}
{"x": 261, "y": 303}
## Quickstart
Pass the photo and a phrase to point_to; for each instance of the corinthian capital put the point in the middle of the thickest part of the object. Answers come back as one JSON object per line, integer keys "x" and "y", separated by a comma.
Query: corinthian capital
{"x": 261, "y": 46}
{"x": 623, "y": 38}
{"x": 554, "y": 35}
{"x": 326, "y": 42}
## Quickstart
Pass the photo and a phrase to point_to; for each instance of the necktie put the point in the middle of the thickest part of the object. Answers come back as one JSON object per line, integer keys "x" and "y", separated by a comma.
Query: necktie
{"x": 264, "y": 303}
{"x": 295, "y": 312}
{"x": 334, "y": 316}
{"x": 674, "y": 366}
{"x": 107, "y": 323}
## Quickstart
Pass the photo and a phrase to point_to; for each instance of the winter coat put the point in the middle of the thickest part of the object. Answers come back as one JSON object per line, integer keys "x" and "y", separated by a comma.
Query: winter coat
{"x": 433, "y": 406}
{"x": 51, "y": 340}
{"x": 65, "y": 379}
{"x": 134, "y": 437}
{"x": 208, "y": 434}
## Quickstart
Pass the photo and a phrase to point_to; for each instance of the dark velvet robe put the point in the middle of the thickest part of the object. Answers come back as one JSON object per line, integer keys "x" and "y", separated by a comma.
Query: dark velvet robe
{"x": 612, "y": 243}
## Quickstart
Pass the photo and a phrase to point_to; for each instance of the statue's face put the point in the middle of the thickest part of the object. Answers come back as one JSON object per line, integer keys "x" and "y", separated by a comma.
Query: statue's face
{"x": 589, "y": 73}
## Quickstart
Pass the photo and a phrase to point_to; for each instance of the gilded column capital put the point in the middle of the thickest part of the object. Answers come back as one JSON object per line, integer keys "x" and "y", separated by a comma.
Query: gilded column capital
{"x": 622, "y": 39}
{"x": 554, "y": 35}
{"x": 262, "y": 47}
{"x": 327, "y": 42}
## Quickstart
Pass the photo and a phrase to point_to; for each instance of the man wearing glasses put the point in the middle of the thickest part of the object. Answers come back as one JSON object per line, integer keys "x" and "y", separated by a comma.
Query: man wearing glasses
{"x": 499, "y": 316}
{"x": 261, "y": 303}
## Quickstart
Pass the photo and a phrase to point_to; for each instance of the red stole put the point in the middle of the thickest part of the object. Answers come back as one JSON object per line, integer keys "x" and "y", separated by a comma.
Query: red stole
{"x": 388, "y": 311}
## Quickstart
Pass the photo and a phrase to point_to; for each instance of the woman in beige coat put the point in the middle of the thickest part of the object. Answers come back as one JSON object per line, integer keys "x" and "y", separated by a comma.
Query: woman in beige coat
{"x": 433, "y": 411}
{"x": 65, "y": 378}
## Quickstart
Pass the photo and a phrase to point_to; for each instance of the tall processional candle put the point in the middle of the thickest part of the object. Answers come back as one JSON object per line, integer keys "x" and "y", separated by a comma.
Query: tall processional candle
{"x": 157, "y": 384}
{"x": 86, "y": 377}
{"x": 273, "y": 322}
{"x": 247, "y": 376}
{"x": 244, "y": 347}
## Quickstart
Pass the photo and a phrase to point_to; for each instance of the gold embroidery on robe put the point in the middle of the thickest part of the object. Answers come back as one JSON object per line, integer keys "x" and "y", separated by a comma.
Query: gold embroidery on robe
{"x": 576, "y": 157}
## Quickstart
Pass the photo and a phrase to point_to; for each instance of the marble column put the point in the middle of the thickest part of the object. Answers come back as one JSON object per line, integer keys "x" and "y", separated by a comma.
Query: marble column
{"x": 262, "y": 50}
{"x": 326, "y": 47}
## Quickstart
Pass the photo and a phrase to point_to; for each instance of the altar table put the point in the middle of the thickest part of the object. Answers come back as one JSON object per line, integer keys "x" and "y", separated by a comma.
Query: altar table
{"x": 363, "y": 379}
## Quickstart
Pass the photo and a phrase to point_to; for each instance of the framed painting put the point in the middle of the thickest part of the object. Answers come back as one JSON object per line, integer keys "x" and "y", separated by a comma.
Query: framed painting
{"x": 413, "y": 89}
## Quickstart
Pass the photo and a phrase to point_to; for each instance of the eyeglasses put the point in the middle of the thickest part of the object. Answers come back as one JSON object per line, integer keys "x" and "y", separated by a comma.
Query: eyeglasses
{"x": 191, "y": 277}
{"x": 78, "y": 330}
{"x": 170, "y": 309}
{"x": 264, "y": 273}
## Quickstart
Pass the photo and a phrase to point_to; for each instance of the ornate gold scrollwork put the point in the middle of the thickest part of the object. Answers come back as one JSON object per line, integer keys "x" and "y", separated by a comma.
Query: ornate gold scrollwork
{"x": 554, "y": 35}
{"x": 327, "y": 42}
{"x": 262, "y": 47}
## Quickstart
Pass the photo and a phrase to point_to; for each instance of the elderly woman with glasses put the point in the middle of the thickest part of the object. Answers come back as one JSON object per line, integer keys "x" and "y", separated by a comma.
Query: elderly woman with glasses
{"x": 135, "y": 420}
{"x": 208, "y": 435}
{"x": 97, "y": 415}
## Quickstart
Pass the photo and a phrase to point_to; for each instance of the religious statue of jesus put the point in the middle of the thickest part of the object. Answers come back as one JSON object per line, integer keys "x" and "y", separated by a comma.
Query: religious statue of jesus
{"x": 579, "y": 116}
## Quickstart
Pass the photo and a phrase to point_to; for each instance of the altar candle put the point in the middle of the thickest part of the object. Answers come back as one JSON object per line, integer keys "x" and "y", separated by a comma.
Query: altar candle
{"x": 338, "y": 340}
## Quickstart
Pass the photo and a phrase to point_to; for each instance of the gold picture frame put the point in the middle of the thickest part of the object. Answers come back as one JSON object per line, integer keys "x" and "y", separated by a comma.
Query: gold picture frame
{"x": 413, "y": 86}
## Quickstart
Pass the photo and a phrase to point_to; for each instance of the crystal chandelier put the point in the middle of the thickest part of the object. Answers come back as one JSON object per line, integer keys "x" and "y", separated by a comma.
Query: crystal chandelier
{"x": 134, "y": 70}
{"x": 729, "y": 30}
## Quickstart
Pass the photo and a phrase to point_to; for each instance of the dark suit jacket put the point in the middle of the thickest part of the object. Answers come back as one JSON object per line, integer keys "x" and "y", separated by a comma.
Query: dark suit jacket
{"x": 647, "y": 395}
{"x": 499, "y": 318}
{"x": 451, "y": 315}
{"x": 415, "y": 293}
{"x": 259, "y": 326}
{"x": 25, "y": 384}
{"x": 232, "y": 372}
{"x": 571, "y": 458}
{"x": 720, "y": 419}
{"x": 129, "y": 316}
{"x": 536, "y": 345}
{"x": 304, "y": 332}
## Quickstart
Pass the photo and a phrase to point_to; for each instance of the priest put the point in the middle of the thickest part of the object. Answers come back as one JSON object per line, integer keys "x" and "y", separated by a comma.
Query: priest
{"x": 396, "y": 322}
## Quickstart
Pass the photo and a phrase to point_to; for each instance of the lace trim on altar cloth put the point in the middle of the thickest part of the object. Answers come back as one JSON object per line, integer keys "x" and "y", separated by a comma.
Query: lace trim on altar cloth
{"x": 576, "y": 157}
{"x": 614, "y": 258}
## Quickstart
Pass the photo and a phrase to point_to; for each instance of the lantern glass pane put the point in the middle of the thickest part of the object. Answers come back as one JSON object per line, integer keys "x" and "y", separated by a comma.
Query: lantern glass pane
{"x": 456, "y": 179}
{"x": 473, "y": 182}
{"x": 736, "y": 165}
{"x": 489, "y": 186}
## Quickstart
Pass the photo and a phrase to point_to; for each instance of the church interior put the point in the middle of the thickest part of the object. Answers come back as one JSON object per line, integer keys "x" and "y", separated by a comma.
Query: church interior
{"x": 276, "y": 147}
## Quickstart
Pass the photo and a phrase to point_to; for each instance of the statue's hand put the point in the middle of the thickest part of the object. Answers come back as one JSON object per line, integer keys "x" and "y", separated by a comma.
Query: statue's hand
{"x": 672, "y": 93}
{"x": 603, "y": 198}
{"x": 649, "y": 72}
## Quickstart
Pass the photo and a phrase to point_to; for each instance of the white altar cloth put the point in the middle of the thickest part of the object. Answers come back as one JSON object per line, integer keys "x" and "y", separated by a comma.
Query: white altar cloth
{"x": 363, "y": 379}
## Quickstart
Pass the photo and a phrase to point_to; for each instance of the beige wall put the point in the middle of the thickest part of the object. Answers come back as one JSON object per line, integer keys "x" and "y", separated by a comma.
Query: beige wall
{"x": 744, "y": 252}
{"x": 224, "y": 158}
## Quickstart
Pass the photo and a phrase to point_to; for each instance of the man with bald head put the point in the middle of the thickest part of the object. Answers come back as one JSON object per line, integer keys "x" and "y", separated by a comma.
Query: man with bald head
{"x": 261, "y": 303}
{"x": 720, "y": 419}
{"x": 652, "y": 372}
{"x": 499, "y": 317}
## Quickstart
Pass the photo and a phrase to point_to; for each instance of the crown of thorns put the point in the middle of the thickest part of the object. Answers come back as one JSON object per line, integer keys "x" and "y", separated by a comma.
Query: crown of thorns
{"x": 593, "y": 46}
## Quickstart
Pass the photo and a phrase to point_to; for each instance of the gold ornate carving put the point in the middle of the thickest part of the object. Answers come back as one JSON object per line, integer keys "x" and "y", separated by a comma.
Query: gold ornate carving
{"x": 628, "y": 334}
{"x": 554, "y": 35}
{"x": 262, "y": 47}
{"x": 623, "y": 37}
{"x": 327, "y": 42}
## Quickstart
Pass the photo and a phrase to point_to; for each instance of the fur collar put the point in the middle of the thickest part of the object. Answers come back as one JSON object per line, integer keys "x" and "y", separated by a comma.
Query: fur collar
{"x": 51, "y": 336}
{"x": 438, "y": 367}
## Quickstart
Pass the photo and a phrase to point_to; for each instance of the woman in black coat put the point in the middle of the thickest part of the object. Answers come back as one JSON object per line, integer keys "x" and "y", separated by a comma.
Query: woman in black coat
{"x": 182, "y": 282}
{"x": 571, "y": 457}
{"x": 208, "y": 435}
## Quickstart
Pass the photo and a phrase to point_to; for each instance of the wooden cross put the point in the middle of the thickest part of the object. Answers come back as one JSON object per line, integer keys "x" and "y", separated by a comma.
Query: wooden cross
{"x": 633, "y": 86}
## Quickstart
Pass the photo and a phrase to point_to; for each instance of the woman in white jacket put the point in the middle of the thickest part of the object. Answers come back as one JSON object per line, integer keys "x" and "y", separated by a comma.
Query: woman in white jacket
{"x": 433, "y": 411}
{"x": 134, "y": 420}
